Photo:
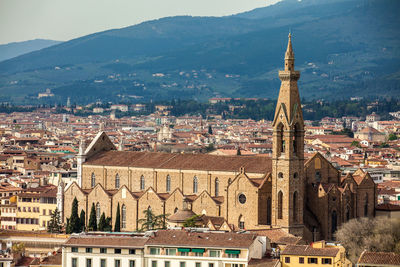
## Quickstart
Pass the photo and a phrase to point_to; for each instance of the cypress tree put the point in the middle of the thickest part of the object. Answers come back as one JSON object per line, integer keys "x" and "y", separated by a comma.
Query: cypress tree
{"x": 54, "y": 224}
{"x": 68, "y": 228}
{"x": 102, "y": 223}
{"x": 74, "y": 219}
{"x": 82, "y": 220}
{"x": 108, "y": 227}
{"x": 238, "y": 153}
{"x": 117, "y": 227}
{"x": 92, "y": 219}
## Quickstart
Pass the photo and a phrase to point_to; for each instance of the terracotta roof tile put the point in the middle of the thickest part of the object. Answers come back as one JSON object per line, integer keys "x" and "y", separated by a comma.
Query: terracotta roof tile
{"x": 379, "y": 258}
{"x": 160, "y": 160}
{"x": 306, "y": 250}
{"x": 106, "y": 241}
{"x": 208, "y": 239}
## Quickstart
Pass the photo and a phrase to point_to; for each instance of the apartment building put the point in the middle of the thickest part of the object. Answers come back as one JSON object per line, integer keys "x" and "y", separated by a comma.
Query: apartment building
{"x": 34, "y": 208}
{"x": 164, "y": 248}
{"x": 316, "y": 254}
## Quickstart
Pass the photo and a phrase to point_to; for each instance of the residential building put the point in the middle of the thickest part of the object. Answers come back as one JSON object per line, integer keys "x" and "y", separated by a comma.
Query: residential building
{"x": 164, "y": 248}
{"x": 316, "y": 254}
{"x": 34, "y": 207}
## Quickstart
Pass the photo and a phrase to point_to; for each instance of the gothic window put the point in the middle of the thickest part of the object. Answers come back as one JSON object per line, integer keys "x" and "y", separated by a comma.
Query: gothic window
{"x": 295, "y": 175}
{"x": 93, "y": 180}
{"x": 195, "y": 185}
{"x": 123, "y": 216}
{"x": 280, "y": 203}
{"x": 216, "y": 187}
{"x": 281, "y": 138}
{"x": 168, "y": 183}
{"x": 117, "y": 181}
{"x": 334, "y": 222}
{"x": 317, "y": 176}
{"x": 366, "y": 205}
{"x": 269, "y": 210}
{"x": 175, "y": 210}
{"x": 295, "y": 133}
{"x": 347, "y": 213}
{"x": 295, "y": 199}
{"x": 241, "y": 222}
{"x": 142, "y": 185}
{"x": 98, "y": 212}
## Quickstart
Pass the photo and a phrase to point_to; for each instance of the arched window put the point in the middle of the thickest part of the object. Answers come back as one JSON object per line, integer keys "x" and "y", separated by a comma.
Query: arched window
{"x": 269, "y": 210}
{"x": 123, "y": 216}
{"x": 98, "y": 212}
{"x": 216, "y": 187}
{"x": 334, "y": 222}
{"x": 281, "y": 138}
{"x": 347, "y": 213}
{"x": 280, "y": 175}
{"x": 93, "y": 180}
{"x": 366, "y": 205}
{"x": 318, "y": 176}
{"x": 195, "y": 185}
{"x": 117, "y": 181}
{"x": 295, "y": 133}
{"x": 280, "y": 203}
{"x": 142, "y": 185}
{"x": 175, "y": 210}
{"x": 168, "y": 183}
{"x": 241, "y": 222}
{"x": 295, "y": 207}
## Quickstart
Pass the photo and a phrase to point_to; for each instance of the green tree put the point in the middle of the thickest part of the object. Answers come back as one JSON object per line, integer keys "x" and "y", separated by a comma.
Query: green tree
{"x": 384, "y": 145}
{"x": 191, "y": 222}
{"x": 102, "y": 222}
{"x": 152, "y": 221}
{"x": 68, "y": 228}
{"x": 82, "y": 219}
{"x": 355, "y": 143}
{"x": 210, "y": 148}
{"x": 75, "y": 225}
{"x": 108, "y": 227}
{"x": 117, "y": 226}
{"x": 392, "y": 137}
{"x": 55, "y": 222}
{"x": 92, "y": 219}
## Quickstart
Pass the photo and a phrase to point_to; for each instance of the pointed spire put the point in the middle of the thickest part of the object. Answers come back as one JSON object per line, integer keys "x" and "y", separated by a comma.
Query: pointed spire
{"x": 289, "y": 51}
{"x": 289, "y": 55}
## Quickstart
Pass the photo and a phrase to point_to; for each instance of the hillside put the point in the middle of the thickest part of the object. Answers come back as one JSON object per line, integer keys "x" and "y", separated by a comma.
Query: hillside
{"x": 11, "y": 50}
{"x": 343, "y": 48}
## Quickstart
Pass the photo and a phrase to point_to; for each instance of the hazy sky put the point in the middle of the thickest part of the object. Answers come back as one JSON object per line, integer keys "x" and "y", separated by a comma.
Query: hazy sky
{"x": 22, "y": 20}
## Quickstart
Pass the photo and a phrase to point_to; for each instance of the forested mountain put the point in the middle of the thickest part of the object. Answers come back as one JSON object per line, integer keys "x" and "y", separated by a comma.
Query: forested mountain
{"x": 15, "y": 49}
{"x": 343, "y": 48}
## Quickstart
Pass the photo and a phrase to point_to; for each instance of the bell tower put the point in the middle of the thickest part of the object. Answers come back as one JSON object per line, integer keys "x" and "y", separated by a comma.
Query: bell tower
{"x": 288, "y": 152}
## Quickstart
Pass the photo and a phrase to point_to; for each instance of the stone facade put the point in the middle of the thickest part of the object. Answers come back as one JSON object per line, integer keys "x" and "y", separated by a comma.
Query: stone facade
{"x": 309, "y": 199}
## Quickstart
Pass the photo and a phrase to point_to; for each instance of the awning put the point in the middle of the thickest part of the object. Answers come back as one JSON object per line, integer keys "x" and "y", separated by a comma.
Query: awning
{"x": 198, "y": 250}
{"x": 232, "y": 251}
{"x": 184, "y": 249}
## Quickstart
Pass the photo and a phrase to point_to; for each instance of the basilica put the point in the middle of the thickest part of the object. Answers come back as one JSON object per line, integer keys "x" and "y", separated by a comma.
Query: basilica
{"x": 308, "y": 198}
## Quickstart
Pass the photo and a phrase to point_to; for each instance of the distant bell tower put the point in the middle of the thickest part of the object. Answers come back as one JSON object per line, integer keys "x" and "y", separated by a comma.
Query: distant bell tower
{"x": 288, "y": 152}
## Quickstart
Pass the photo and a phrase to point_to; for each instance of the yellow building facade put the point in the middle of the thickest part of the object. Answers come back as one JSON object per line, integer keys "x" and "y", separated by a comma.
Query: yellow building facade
{"x": 34, "y": 208}
{"x": 317, "y": 254}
